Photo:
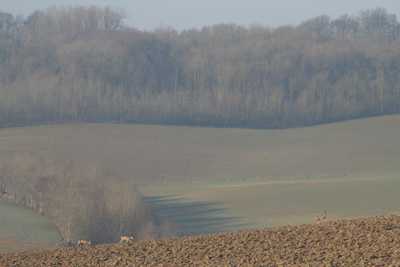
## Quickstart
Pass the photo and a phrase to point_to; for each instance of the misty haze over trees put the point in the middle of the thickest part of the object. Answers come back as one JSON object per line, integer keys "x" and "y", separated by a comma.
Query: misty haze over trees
{"x": 80, "y": 64}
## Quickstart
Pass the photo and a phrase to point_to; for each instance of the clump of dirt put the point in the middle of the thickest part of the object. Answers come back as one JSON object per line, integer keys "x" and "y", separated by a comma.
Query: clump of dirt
{"x": 359, "y": 242}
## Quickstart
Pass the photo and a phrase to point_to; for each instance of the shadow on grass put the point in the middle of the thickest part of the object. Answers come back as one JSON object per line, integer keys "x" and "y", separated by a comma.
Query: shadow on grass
{"x": 194, "y": 218}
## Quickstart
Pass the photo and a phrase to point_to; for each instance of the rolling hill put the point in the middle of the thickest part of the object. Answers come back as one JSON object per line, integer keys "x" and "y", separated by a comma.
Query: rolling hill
{"x": 153, "y": 154}
{"x": 166, "y": 154}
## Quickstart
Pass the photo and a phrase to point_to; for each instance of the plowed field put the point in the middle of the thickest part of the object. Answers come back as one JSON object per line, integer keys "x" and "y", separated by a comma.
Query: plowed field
{"x": 360, "y": 242}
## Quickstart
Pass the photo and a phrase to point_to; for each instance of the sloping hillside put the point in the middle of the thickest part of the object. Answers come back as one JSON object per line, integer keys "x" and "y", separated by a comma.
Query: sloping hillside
{"x": 360, "y": 242}
{"x": 158, "y": 154}
{"x": 23, "y": 229}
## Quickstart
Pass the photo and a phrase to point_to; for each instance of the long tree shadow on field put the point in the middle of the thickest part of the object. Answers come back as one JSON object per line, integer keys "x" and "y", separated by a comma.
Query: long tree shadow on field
{"x": 194, "y": 218}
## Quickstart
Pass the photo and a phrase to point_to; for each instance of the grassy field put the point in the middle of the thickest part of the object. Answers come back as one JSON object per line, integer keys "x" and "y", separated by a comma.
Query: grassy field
{"x": 212, "y": 207}
{"x": 164, "y": 154}
{"x": 217, "y": 179}
{"x": 22, "y": 229}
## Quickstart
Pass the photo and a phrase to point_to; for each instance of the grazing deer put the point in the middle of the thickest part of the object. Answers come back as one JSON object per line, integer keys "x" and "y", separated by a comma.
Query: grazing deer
{"x": 84, "y": 242}
{"x": 8, "y": 196}
{"x": 126, "y": 239}
{"x": 320, "y": 217}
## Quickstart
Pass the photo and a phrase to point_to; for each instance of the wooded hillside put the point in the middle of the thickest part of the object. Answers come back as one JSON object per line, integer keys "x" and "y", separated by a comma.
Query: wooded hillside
{"x": 80, "y": 64}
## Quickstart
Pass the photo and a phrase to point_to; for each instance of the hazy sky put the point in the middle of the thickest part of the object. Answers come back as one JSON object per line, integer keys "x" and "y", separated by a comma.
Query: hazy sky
{"x": 185, "y": 14}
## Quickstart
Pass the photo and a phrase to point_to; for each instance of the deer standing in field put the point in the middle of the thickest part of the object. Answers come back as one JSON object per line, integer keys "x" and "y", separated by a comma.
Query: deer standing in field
{"x": 8, "y": 196}
{"x": 84, "y": 242}
{"x": 320, "y": 217}
{"x": 126, "y": 239}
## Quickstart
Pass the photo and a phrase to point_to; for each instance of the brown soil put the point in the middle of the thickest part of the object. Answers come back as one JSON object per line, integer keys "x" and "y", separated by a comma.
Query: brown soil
{"x": 360, "y": 242}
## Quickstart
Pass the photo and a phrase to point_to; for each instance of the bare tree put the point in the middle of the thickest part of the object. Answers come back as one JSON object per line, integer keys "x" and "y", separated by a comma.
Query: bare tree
{"x": 346, "y": 25}
{"x": 374, "y": 20}
{"x": 113, "y": 18}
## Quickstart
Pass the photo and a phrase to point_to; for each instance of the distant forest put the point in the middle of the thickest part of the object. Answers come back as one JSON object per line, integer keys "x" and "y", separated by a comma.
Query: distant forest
{"x": 82, "y": 64}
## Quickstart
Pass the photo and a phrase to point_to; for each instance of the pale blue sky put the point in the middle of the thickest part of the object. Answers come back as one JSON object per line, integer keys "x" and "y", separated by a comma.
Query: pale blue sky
{"x": 186, "y": 14}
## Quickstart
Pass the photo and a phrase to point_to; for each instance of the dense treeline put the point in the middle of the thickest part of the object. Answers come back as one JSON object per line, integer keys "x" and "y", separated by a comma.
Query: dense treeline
{"x": 85, "y": 200}
{"x": 80, "y": 64}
